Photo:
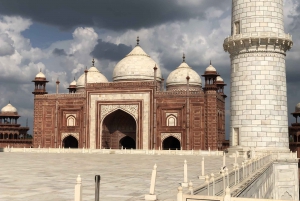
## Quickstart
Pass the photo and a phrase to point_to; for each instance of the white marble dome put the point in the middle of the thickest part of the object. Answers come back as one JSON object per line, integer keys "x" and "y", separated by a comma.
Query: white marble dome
{"x": 9, "y": 109}
{"x": 178, "y": 76}
{"x": 220, "y": 79}
{"x": 93, "y": 76}
{"x": 297, "y": 108}
{"x": 40, "y": 75}
{"x": 137, "y": 65}
{"x": 210, "y": 68}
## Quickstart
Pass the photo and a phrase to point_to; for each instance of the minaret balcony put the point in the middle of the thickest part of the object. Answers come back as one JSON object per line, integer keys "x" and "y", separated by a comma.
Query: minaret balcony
{"x": 9, "y": 125}
{"x": 258, "y": 41}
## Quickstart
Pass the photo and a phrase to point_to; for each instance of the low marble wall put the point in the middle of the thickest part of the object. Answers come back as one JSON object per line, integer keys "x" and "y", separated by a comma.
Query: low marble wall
{"x": 115, "y": 151}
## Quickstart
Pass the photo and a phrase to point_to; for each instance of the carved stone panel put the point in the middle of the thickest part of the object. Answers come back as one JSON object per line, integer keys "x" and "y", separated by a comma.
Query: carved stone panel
{"x": 131, "y": 109}
{"x": 286, "y": 193}
{"x": 286, "y": 175}
{"x": 166, "y": 135}
{"x": 64, "y": 135}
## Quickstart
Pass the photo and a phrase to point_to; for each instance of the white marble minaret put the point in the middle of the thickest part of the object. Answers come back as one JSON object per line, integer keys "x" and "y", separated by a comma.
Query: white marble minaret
{"x": 257, "y": 48}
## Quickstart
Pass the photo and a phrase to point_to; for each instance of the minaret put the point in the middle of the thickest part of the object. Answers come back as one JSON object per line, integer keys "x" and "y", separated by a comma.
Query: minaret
{"x": 40, "y": 84}
{"x": 257, "y": 48}
{"x": 211, "y": 107}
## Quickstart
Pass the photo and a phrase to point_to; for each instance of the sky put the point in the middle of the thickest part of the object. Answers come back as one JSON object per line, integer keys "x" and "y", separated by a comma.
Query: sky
{"x": 62, "y": 37}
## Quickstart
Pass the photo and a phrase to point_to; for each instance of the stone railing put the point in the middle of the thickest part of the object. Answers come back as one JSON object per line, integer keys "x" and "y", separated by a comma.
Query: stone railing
{"x": 227, "y": 197}
{"x": 274, "y": 35}
{"x": 216, "y": 185}
{"x": 71, "y": 95}
{"x": 115, "y": 151}
{"x": 120, "y": 84}
{"x": 178, "y": 93}
{"x": 258, "y": 41}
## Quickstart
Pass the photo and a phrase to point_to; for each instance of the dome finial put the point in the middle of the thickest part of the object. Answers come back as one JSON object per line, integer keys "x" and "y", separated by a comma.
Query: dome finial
{"x": 183, "y": 58}
{"x": 74, "y": 77}
{"x": 210, "y": 62}
{"x": 40, "y": 69}
{"x": 137, "y": 41}
{"x": 93, "y": 62}
{"x": 9, "y": 101}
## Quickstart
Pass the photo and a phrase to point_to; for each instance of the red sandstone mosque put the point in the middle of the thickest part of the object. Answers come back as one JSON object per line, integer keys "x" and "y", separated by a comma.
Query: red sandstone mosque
{"x": 136, "y": 110}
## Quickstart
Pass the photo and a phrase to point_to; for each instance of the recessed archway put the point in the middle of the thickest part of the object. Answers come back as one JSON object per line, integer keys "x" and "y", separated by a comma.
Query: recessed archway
{"x": 115, "y": 127}
{"x": 70, "y": 142}
{"x": 171, "y": 143}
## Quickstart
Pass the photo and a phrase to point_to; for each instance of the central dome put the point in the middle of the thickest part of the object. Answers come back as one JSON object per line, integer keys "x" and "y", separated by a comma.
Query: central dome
{"x": 136, "y": 66}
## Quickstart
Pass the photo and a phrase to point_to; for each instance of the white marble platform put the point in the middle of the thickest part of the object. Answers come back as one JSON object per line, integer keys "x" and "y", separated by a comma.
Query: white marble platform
{"x": 52, "y": 177}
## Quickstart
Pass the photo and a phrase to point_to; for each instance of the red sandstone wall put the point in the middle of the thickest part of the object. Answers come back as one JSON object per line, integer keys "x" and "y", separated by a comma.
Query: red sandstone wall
{"x": 46, "y": 121}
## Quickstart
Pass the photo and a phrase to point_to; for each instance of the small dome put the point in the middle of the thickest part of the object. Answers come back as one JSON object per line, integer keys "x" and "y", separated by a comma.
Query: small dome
{"x": 219, "y": 79}
{"x": 297, "y": 108}
{"x": 93, "y": 76}
{"x": 210, "y": 68}
{"x": 9, "y": 109}
{"x": 137, "y": 65}
{"x": 73, "y": 83}
{"x": 178, "y": 76}
{"x": 40, "y": 75}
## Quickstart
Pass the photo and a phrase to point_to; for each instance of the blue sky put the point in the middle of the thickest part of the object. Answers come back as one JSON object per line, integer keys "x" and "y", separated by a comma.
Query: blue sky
{"x": 61, "y": 37}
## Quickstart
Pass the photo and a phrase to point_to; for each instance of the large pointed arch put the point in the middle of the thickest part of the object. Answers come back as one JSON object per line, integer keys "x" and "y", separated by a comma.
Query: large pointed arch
{"x": 116, "y": 125}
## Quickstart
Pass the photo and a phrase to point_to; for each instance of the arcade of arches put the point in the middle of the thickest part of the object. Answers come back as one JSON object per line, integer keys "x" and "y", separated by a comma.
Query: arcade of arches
{"x": 11, "y": 136}
{"x": 119, "y": 129}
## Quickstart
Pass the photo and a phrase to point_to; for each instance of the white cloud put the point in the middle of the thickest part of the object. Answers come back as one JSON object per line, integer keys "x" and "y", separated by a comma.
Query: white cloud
{"x": 20, "y": 62}
{"x": 6, "y": 47}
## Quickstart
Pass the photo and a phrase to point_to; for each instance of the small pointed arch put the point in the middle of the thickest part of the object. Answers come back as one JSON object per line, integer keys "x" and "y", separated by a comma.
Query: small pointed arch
{"x": 171, "y": 143}
{"x": 1, "y": 136}
{"x": 71, "y": 121}
{"x": 15, "y": 136}
{"x": 70, "y": 142}
{"x": 171, "y": 120}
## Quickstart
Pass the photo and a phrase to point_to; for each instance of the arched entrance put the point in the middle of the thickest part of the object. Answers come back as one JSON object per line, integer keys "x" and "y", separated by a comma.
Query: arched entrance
{"x": 127, "y": 142}
{"x": 171, "y": 143}
{"x": 118, "y": 129}
{"x": 70, "y": 141}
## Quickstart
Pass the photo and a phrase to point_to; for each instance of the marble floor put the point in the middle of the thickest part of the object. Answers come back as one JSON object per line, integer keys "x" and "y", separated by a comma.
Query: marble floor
{"x": 52, "y": 176}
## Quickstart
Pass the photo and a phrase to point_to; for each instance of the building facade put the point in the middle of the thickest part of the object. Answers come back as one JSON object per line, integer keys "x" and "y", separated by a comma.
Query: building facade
{"x": 134, "y": 110}
{"x": 294, "y": 132}
{"x": 11, "y": 133}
